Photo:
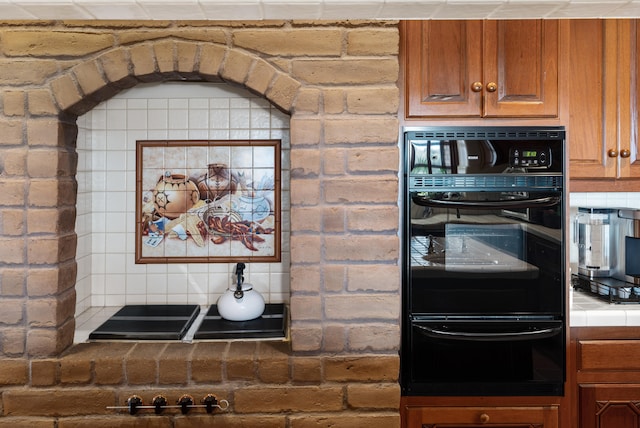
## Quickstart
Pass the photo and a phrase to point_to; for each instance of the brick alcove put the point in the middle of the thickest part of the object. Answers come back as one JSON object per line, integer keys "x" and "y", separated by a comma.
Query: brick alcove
{"x": 338, "y": 81}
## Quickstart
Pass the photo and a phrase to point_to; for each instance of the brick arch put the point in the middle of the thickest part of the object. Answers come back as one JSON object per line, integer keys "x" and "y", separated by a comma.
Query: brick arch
{"x": 87, "y": 84}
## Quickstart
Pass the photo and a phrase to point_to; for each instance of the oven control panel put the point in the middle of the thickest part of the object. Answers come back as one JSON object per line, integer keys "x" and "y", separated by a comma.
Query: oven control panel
{"x": 523, "y": 157}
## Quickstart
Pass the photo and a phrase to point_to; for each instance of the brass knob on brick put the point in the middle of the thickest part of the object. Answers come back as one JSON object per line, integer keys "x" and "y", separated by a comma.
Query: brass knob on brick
{"x": 612, "y": 153}
{"x": 624, "y": 153}
{"x": 476, "y": 86}
{"x": 484, "y": 418}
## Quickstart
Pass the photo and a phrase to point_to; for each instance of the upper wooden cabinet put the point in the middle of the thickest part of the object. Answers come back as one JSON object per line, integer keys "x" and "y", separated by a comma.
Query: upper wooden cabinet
{"x": 481, "y": 68}
{"x": 602, "y": 92}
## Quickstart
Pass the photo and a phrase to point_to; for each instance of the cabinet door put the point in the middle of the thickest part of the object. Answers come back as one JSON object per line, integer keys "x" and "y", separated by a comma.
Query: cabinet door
{"x": 609, "y": 406}
{"x": 442, "y": 61}
{"x": 629, "y": 160}
{"x": 465, "y": 417}
{"x": 521, "y": 68}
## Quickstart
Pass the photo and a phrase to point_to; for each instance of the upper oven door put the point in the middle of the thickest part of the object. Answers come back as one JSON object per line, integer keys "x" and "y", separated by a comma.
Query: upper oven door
{"x": 469, "y": 255}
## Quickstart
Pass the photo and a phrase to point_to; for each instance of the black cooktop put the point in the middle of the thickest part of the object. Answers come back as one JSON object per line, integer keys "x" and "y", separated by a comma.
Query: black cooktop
{"x": 272, "y": 324}
{"x": 148, "y": 322}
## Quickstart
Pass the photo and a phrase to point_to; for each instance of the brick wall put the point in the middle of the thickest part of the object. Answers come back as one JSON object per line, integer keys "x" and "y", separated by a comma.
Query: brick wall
{"x": 338, "y": 80}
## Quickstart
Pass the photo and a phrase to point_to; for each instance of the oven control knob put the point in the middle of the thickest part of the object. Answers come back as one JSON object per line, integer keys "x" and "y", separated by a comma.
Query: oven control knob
{"x": 484, "y": 418}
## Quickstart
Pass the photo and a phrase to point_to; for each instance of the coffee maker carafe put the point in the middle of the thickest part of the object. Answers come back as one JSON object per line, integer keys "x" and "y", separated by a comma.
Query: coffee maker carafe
{"x": 597, "y": 246}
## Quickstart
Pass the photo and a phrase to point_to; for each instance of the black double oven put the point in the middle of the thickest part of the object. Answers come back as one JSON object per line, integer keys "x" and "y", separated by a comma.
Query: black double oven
{"x": 484, "y": 262}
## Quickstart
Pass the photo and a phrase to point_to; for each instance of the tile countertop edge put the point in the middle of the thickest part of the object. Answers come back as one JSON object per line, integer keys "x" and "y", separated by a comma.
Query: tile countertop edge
{"x": 589, "y": 311}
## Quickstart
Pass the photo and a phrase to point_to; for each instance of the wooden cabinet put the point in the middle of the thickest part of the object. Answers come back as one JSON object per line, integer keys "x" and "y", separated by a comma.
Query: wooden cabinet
{"x": 607, "y": 377}
{"x": 465, "y": 417}
{"x": 480, "y": 69}
{"x": 602, "y": 92}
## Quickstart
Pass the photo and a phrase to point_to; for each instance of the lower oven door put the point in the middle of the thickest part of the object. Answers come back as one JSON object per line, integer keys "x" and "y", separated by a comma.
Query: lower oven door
{"x": 498, "y": 357}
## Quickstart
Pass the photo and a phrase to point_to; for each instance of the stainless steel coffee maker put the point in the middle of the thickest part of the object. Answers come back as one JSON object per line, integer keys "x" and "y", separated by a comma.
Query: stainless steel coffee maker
{"x": 609, "y": 243}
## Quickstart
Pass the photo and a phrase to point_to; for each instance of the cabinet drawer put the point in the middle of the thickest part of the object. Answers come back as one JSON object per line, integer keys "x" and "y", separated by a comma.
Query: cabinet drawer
{"x": 436, "y": 416}
{"x": 609, "y": 355}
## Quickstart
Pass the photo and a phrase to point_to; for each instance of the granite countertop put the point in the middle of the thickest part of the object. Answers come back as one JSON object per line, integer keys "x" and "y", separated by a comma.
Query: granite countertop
{"x": 589, "y": 311}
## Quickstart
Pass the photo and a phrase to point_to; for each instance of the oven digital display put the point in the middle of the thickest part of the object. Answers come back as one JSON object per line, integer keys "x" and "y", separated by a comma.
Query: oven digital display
{"x": 529, "y": 154}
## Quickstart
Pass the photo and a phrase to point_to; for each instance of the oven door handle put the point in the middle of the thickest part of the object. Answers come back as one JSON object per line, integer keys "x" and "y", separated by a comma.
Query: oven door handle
{"x": 489, "y": 336}
{"x": 547, "y": 201}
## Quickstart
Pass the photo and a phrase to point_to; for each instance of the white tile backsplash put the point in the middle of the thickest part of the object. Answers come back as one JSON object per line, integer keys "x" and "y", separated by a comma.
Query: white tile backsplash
{"x": 105, "y": 223}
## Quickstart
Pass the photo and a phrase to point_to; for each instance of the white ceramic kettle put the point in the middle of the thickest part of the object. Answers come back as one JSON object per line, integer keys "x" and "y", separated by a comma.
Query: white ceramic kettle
{"x": 240, "y": 302}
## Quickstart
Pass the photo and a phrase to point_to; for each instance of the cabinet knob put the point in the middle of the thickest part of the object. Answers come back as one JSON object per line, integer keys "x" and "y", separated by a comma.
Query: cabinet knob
{"x": 476, "y": 86}
{"x": 612, "y": 153}
{"x": 484, "y": 418}
{"x": 492, "y": 87}
{"x": 624, "y": 153}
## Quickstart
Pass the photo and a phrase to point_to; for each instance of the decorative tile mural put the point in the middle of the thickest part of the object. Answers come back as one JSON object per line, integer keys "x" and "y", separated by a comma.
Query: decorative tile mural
{"x": 207, "y": 201}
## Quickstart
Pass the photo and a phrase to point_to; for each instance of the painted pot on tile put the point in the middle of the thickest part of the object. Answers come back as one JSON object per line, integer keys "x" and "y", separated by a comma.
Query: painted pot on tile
{"x": 174, "y": 194}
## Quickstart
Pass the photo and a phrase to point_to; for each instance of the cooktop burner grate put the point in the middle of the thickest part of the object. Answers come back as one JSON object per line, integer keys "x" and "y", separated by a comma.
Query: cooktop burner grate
{"x": 271, "y": 325}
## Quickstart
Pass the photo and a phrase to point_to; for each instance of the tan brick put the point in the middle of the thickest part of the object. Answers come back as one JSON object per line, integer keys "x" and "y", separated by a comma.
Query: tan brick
{"x": 65, "y": 92}
{"x": 353, "y": 420}
{"x": 172, "y": 364}
{"x": 299, "y": 42}
{"x": 367, "y": 41}
{"x": 361, "y": 368}
{"x": 373, "y": 219}
{"x": 27, "y": 422}
{"x": 283, "y": 92}
{"x": 334, "y": 161}
{"x": 308, "y": 101}
{"x": 236, "y": 66}
{"x": 13, "y": 341}
{"x": 305, "y": 192}
{"x": 15, "y": 161}
{"x": 12, "y": 250}
{"x": 164, "y": 52}
{"x": 229, "y": 421}
{"x": 143, "y": 60}
{"x": 26, "y": 72}
{"x": 50, "y": 312}
{"x": 44, "y": 163}
{"x": 43, "y": 250}
{"x": 50, "y": 192}
{"x": 41, "y": 103}
{"x": 334, "y": 277}
{"x": 240, "y": 361}
{"x": 64, "y": 402}
{"x": 369, "y": 129}
{"x": 211, "y": 57}
{"x": 108, "y": 364}
{"x": 45, "y": 372}
{"x": 186, "y": 56}
{"x": 374, "y": 337}
{"x": 361, "y": 248}
{"x": 365, "y": 306}
{"x": 14, "y": 371}
{"x": 380, "y": 189}
{"x": 260, "y": 76}
{"x": 45, "y": 342}
{"x": 46, "y": 281}
{"x": 12, "y": 282}
{"x": 333, "y": 219}
{"x": 305, "y": 278}
{"x": 13, "y": 103}
{"x": 373, "y": 278}
{"x": 384, "y": 100}
{"x": 346, "y": 71}
{"x": 44, "y": 132}
{"x": 306, "y": 308}
{"x": 306, "y": 337}
{"x": 333, "y": 100}
{"x": 11, "y": 131}
{"x": 11, "y": 311}
{"x": 75, "y": 370}
{"x": 305, "y": 163}
{"x": 273, "y": 362}
{"x": 206, "y": 362}
{"x": 306, "y": 249}
{"x": 115, "y": 65}
{"x": 305, "y": 131}
{"x": 89, "y": 77}
{"x": 374, "y": 396}
{"x": 306, "y": 370}
{"x": 51, "y": 220}
{"x": 296, "y": 399}
{"x": 334, "y": 338}
{"x": 12, "y": 222}
{"x": 53, "y": 43}
{"x": 141, "y": 364}
{"x": 307, "y": 219}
